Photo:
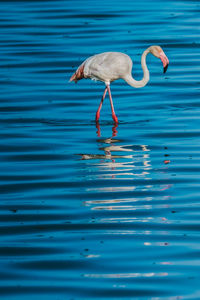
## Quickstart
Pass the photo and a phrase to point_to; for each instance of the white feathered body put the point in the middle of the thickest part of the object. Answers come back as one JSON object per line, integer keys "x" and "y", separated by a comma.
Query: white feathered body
{"x": 110, "y": 66}
{"x": 107, "y": 66}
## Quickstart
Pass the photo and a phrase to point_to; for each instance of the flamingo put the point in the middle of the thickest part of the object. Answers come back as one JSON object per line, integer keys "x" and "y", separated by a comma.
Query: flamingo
{"x": 110, "y": 66}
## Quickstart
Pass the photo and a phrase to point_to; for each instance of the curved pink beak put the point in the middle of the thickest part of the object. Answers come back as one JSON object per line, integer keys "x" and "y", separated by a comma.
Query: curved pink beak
{"x": 165, "y": 61}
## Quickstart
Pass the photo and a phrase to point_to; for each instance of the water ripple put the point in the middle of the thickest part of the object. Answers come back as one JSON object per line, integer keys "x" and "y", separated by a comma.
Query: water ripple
{"x": 99, "y": 211}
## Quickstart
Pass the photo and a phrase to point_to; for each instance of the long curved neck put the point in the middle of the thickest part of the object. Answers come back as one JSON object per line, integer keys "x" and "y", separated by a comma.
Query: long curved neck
{"x": 140, "y": 83}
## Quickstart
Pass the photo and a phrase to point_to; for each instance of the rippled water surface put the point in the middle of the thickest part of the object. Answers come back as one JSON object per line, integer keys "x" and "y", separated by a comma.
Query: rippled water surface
{"x": 99, "y": 211}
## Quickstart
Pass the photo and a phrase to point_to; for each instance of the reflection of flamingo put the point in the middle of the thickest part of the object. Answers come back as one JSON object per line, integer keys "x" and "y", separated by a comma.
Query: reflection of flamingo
{"x": 113, "y": 161}
{"x": 114, "y": 129}
{"x": 110, "y": 66}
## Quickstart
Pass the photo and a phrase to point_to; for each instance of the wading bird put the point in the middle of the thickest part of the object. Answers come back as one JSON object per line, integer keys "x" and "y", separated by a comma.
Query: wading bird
{"x": 110, "y": 66}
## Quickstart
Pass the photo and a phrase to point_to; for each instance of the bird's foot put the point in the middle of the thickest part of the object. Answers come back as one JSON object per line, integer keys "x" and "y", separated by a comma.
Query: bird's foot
{"x": 115, "y": 119}
{"x": 97, "y": 117}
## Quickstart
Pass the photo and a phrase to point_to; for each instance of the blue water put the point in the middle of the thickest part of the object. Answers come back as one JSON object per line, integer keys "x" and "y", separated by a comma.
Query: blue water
{"x": 99, "y": 212}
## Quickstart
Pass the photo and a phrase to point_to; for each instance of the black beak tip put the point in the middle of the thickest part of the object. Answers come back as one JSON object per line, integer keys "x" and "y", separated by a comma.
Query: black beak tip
{"x": 165, "y": 69}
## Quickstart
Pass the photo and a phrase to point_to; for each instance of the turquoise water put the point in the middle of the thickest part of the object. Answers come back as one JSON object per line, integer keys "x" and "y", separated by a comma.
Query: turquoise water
{"x": 99, "y": 212}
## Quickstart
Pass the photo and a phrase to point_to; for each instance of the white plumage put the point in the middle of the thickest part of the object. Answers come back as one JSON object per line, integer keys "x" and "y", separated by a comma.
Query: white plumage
{"x": 110, "y": 66}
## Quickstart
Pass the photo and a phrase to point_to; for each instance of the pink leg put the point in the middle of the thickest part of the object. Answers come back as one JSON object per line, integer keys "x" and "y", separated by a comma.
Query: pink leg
{"x": 100, "y": 105}
{"x": 112, "y": 107}
{"x": 98, "y": 129}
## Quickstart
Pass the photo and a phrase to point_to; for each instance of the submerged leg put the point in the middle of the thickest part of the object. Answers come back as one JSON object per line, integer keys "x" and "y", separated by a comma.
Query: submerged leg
{"x": 98, "y": 129}
{"x": 100, "y": 105}
{"x": 112, "y": 107}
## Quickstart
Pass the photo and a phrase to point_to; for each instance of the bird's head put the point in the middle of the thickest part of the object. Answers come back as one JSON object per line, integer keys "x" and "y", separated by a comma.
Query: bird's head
{"x": 157, "y": 51}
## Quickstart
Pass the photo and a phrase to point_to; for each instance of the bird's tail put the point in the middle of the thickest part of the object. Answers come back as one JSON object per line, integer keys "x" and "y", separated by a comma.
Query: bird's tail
{"x": 78, "y": 75}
